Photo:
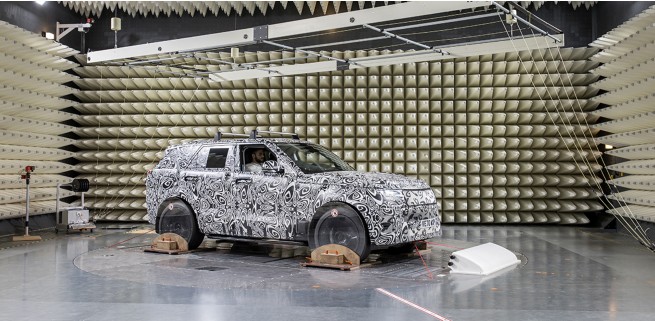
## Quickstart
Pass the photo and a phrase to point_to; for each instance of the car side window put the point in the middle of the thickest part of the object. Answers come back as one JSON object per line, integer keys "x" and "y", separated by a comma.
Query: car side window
{"x": 210, "y": 157}
{"x": 216, "y": 157}
{"x": 253, "y": 156}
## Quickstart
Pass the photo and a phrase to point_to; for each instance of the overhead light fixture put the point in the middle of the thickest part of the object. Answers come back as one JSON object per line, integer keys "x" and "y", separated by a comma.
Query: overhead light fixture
{"x": 41, "y": 2}
{"x": 116, "y": 27}
{"x": 234, "y": 52}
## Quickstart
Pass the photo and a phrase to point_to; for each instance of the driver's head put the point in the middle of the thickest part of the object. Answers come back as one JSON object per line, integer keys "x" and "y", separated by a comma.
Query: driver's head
{"x": 258, "y": 155}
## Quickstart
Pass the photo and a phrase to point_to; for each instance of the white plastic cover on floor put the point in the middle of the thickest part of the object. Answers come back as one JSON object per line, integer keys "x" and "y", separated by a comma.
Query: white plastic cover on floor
{"x": 483, "y": 259}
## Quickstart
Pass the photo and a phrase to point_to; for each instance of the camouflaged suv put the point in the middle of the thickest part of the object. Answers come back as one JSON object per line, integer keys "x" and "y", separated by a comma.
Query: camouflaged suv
{"x": 284, "y": 189}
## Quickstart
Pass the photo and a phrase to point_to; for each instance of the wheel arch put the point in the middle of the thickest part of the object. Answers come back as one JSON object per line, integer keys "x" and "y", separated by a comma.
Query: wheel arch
{"x": 317, "y": 215}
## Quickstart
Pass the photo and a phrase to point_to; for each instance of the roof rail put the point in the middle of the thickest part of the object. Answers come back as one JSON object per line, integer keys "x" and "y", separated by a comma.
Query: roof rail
{"x": 255, "y": 132}
{"x": 219, "y": 135}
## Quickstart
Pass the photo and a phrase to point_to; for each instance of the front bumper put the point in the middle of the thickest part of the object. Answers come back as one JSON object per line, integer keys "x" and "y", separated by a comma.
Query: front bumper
{"x": 422, "y": 222}
{"x": 411, "y": 223}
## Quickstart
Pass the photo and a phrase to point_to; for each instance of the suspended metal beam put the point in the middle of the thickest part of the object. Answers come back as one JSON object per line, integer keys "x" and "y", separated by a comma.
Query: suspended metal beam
{"x": 143, "y": 62}
{"x": 454, "y": 51}
{"x": 413, "y": 26}
{"x": 440, "y": 22}
{"x": 408, "y": 41}
{"x": 345, "y": 42}
{"x": 225, "y": 62}
{"x": 307, "y": 52}
{"x": 286, "y": 29}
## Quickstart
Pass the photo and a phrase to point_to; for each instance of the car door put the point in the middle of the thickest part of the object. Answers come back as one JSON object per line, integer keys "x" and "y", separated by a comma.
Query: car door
{"x": 261, "y": 199}
{"x": 207, "y": 189}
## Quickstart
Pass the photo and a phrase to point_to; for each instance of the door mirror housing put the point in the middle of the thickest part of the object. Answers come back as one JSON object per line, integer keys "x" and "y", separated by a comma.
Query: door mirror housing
{"x": 272, "y": 167}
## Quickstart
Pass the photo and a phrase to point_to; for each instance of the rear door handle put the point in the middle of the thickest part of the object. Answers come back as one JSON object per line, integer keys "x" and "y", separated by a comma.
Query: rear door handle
{"x": 243, "y": 180}
{"x": 191, "y": 178}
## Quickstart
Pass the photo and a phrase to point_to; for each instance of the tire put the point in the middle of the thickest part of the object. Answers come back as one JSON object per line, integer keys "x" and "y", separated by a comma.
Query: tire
{"x": 176, "y": 216}
{"x": 338, "y": 223}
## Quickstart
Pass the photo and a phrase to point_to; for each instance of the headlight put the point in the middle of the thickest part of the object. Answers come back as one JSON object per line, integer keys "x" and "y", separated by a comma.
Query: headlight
{"x": 393, "y": 195}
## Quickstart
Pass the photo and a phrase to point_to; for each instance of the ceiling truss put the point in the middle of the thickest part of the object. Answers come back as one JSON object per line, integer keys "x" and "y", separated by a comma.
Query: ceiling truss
{"x": 402, "y": 17}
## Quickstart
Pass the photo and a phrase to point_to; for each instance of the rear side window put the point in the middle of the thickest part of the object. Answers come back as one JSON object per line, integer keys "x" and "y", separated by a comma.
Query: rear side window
{"x": 217, "y": 157}
{"x": 210, "y": 157}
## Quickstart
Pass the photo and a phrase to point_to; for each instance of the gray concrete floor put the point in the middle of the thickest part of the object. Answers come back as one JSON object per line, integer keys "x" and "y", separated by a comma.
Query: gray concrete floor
{"x": 567, "y": 273}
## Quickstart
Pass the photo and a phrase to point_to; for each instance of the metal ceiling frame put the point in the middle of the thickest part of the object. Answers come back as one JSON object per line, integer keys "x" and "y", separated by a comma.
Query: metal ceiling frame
{"x": 480, "y": 48}
{"x": 312, "y": 25}
{"x": 273, "y": 34}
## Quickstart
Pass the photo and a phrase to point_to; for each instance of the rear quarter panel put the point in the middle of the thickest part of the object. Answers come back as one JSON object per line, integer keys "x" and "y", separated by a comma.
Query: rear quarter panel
{"x": 163, "y": 181}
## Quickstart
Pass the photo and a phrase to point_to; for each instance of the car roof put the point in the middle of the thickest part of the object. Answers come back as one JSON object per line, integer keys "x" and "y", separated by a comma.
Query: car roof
{"x": 233, "y": 141}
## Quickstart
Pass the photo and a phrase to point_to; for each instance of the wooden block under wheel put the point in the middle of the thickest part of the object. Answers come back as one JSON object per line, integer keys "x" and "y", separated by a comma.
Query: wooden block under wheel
{"x": 166, "y": 245}
{"x": 332, "y": 258}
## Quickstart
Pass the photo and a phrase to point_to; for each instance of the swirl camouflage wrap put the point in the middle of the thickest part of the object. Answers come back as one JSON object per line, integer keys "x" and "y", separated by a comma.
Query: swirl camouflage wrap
{"x": 229, "y": 201}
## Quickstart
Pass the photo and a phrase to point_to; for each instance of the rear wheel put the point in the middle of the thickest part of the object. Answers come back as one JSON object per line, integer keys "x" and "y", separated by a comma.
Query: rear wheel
{"x": 176, "y": 216}
{"x": 338, "y": 223}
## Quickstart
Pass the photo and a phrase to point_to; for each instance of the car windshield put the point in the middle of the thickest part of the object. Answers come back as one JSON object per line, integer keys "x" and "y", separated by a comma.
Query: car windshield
{"x": 314, "y": 158}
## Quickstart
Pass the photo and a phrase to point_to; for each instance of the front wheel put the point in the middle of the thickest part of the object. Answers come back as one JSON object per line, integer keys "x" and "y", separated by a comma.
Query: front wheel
{"x": 176, "y": 216}
{"x": 338, "y": 223}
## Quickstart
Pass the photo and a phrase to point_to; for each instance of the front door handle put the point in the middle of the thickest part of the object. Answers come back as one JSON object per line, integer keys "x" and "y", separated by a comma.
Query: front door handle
{"x": 191, "y": 178}
{"x": 243, "y": 180}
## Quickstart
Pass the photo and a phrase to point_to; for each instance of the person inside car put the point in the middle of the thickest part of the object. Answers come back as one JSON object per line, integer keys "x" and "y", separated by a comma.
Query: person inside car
{"x": 258, "y": 158}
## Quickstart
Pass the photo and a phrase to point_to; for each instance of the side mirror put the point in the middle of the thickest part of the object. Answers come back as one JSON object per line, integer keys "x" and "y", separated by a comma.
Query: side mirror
{"x": 272, "y": 167}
